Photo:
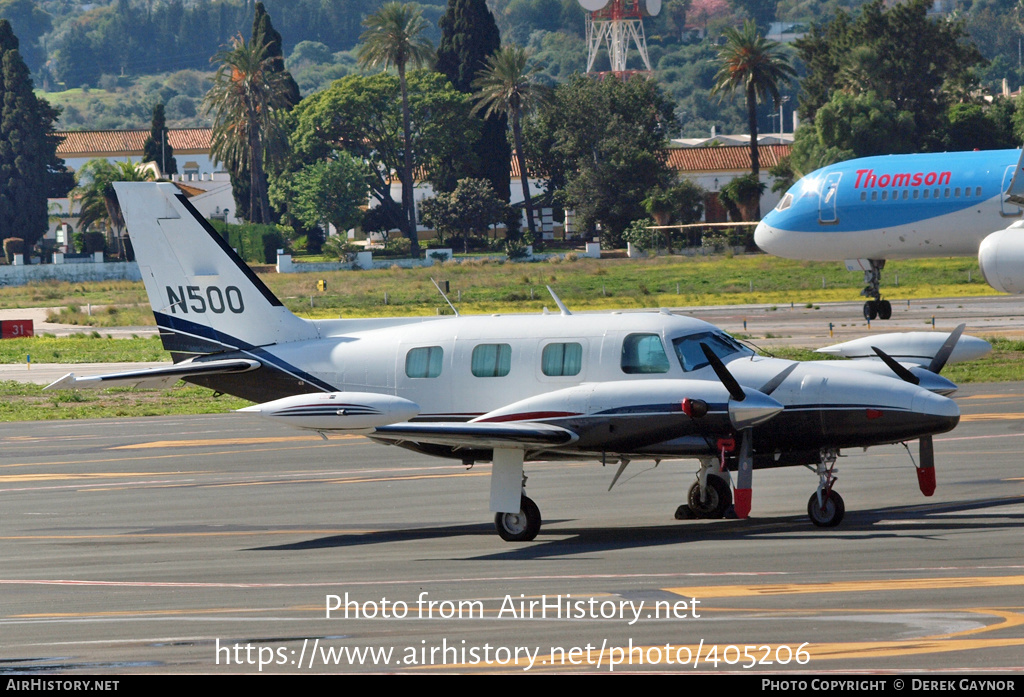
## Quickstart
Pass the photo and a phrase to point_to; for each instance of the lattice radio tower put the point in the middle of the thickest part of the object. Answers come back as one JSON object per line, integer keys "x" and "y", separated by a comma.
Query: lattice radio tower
{"x": 616, "y": 24}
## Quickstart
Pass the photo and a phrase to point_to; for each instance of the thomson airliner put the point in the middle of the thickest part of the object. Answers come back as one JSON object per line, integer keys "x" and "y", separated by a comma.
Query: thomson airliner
{"x": 872, "y": 209}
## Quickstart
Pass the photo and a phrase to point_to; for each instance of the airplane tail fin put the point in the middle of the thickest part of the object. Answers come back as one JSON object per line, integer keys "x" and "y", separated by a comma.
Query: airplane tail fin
{"x": 204, "y": 297}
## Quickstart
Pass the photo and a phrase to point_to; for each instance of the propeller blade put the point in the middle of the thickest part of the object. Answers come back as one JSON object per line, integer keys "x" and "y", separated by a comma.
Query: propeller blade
{"x": 926, "y": 472}
{"x": 946, "y": 350}
{"x": 773, "y": 384}
{"x": 735, "y": 391}
{"x": 902, "y": 372}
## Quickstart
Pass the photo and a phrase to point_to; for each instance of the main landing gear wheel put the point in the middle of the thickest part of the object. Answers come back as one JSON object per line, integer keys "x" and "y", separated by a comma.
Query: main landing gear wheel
{"x": 870, "y": 310}
{"x": 519, "y": 527}
{"x": 829, "y": 515}
{"x": 882, "y": 309}
{"x": 715, "y": 503}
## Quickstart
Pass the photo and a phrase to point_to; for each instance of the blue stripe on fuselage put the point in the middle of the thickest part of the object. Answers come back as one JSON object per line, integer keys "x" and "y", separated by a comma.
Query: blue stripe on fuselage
{"x": 895, "y": 174}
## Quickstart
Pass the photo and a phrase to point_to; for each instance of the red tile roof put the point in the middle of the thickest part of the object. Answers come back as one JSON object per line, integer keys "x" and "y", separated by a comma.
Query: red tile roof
{"x": 724, "y": 158}
{"x": 120, "y": 143}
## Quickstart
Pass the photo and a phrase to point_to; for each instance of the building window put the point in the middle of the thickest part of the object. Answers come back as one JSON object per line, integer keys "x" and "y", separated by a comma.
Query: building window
{"x": 424, "y": 362}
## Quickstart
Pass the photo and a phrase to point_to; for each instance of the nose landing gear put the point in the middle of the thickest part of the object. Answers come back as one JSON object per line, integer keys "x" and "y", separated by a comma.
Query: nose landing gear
{"x": 825, "y": 507}
{"x": 875, "y": 308}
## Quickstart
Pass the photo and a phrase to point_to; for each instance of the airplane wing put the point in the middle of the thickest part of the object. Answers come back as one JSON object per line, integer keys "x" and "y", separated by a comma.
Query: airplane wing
{"x": 476, "y": 435}
{"x": 155, "y": 378}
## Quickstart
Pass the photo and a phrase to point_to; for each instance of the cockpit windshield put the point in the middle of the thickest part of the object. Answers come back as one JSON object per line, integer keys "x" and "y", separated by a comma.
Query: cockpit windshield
{"x": 691, "y": 357}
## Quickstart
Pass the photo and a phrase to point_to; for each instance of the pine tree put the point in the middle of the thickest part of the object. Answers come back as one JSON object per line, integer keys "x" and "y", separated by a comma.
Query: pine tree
{"x": 263, "y": 33}
{"x": 469, "y": 36}
{"x": 261, "y": 26}
{"x": 28, "y": 150}
{"x": 156, "y": 148}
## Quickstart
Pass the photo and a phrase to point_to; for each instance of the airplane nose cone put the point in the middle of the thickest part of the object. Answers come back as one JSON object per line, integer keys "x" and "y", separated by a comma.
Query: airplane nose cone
{"x": 763, "y": 235}
{"x": 939, "y": 414}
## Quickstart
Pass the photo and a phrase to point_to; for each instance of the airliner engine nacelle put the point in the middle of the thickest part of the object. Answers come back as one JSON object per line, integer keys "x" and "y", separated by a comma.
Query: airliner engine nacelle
{"x": 1001, "y": 257}
{"x": 337, "y": 411}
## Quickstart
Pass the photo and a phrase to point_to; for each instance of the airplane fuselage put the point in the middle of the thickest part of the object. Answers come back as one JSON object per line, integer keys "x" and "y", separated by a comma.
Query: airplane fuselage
{"x": 894, "y": 207}
{"x": 515, "y": 368}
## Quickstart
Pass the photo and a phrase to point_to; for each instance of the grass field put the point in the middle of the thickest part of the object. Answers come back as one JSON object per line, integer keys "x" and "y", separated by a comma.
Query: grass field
{"x": 484, "y": 287}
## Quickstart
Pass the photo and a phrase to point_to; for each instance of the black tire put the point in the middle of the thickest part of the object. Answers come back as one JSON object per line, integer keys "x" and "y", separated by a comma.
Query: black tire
{"x": 519, "y": 527}
{"x": 719, "y": 498}
{"x": 870, "y": 310}
{"x": 828, "y": 516}
{"x": 884, "y": 309}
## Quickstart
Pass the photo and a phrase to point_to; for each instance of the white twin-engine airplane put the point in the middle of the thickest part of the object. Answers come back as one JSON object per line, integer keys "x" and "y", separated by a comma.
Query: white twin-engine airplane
{"x": 871, "y": 209}
{"x": 517, "y": 388}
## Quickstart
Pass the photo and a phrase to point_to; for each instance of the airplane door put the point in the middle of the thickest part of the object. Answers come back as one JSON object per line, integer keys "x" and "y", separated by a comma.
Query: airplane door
{"x": 827, "y": 211}
{"x": 1008, "y": 208}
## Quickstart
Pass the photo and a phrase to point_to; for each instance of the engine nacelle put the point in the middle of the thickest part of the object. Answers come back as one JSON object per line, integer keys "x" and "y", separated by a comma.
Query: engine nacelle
{"x": 641, "y": 397}
{"x": 910, "y": 347}
{"x": 1001, "y": 257}
{"x": 337, "y": 411}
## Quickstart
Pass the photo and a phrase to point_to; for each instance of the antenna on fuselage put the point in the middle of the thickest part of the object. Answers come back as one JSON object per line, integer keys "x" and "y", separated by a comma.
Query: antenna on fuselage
{"x": 445, "y": 297}
{"x": 558, "y": 301}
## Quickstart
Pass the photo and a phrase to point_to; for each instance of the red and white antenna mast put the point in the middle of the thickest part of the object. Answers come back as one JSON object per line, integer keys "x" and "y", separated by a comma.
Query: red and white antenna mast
{"x": 616, "y": 24}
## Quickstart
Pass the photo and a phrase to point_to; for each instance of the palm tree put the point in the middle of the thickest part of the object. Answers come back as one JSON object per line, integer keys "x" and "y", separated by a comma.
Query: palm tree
{"x": 395, "y": 36}
{"x": 750, "y": 61}
{"x": 507, "y": 86}
{"x": 95, "y": 192}
{"x": 246, "y": 99}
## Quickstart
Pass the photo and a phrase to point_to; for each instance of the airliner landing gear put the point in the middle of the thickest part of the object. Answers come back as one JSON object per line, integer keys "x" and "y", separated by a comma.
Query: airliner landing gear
{"x": 882, "y": 309}
{"x": 522, "y": 526}
{"x": 825, "y": 507}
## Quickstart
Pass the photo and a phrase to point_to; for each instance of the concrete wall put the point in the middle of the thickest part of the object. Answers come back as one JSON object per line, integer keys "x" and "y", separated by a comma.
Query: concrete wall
{"x": 71, "y": 273}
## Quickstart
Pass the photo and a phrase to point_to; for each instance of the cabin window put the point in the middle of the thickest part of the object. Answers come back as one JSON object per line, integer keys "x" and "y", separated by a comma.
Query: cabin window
{"x": 424, "y": 362}
{"x": 956, "y": 192}
{"x": 643, "y": 353}
{"x": 874, "y": 195}
{"x": 491, "y": 360}
{"x": 885, "y": 195}
{"x": 905, "y": 194}
{"x": 863, "y": 195}
{"x": 946, "y": 192}
{"x": 917, "y": 192}
{"x": 561, "y": 359}
{"x": 977, "y": 191}
{"x": 967, "y": 191}
{"x": 691, "y": 355}
{"x": 926, "y": 193}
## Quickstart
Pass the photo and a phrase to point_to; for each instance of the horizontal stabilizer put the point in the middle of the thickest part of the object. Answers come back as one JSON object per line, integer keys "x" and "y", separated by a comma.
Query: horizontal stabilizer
{"x": 155, "y": 378}
{"x": 477, "y": 435}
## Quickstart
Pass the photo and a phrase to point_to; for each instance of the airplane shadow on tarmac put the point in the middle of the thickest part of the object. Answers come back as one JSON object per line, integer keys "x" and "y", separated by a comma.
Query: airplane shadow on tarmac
{"x": 924, "y": 521}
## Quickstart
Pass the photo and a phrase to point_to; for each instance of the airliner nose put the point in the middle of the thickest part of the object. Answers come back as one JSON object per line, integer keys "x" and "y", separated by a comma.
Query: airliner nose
{"x": 763, "y": 236}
